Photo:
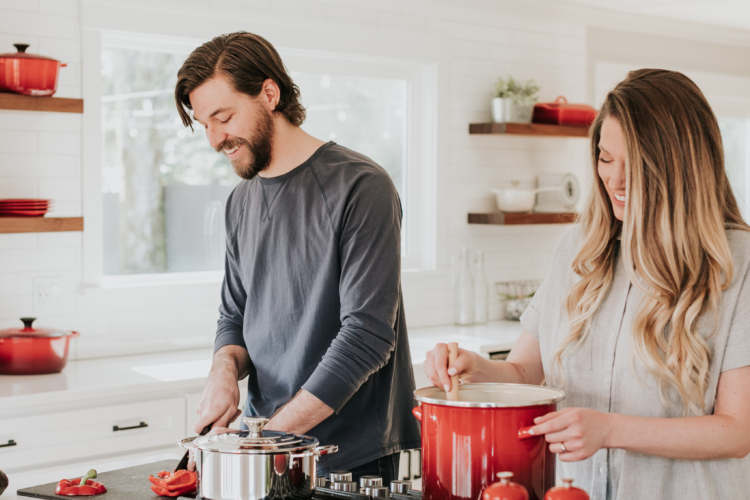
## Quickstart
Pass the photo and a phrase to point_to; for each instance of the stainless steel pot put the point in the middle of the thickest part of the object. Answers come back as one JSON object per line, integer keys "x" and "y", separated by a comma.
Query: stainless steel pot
{"x": 256, "y": 464}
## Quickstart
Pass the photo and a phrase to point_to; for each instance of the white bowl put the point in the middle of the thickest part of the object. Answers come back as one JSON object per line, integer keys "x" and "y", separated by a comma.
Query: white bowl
{"x": 517, "y": 200}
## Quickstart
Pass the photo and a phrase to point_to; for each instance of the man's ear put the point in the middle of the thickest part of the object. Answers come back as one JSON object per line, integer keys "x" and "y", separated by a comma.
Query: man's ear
{"x": 270, "y": 94}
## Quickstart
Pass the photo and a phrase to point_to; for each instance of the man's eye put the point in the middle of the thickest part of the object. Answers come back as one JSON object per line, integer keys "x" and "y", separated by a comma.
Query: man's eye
{"x": 227, "y": 120}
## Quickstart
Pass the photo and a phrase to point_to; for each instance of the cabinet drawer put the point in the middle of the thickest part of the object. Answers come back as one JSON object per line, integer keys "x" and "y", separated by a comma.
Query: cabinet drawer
{"x": 72, "y": 435}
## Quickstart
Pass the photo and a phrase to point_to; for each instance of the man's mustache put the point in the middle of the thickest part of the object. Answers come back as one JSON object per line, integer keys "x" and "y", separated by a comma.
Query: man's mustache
{"x": 231, "y": 144}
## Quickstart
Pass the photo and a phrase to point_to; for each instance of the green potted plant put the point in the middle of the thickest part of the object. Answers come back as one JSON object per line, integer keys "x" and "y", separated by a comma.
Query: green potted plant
{"x": 513, "y": 101}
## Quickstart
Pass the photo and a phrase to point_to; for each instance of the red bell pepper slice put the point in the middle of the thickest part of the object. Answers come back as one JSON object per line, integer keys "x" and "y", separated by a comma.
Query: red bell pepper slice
{"x": 80, "y": 486}
{"x": 173, "y": 484}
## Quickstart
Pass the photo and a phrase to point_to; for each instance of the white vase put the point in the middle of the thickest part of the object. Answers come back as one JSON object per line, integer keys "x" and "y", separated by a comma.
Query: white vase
{"x": 519, "y": 113}
{"x": 500, "y": 108}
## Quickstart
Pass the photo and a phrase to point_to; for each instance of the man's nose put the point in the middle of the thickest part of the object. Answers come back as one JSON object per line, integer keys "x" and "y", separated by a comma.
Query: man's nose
{"x": 215, "y": 137}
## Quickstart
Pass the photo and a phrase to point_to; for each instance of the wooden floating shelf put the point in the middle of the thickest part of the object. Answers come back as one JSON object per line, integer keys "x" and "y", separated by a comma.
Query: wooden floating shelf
{"x": 538, "y": 129}
{"x": 503, "y": 219}
{"x": 21, "y": 102}
{"x": 40, "y": 224}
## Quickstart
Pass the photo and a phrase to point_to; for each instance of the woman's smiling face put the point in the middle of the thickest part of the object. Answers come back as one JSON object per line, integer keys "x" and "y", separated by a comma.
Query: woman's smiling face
{"x": 611, "y": 166}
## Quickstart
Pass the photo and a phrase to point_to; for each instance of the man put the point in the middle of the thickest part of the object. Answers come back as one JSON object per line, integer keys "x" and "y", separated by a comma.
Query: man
{"x": 311, "y": 308}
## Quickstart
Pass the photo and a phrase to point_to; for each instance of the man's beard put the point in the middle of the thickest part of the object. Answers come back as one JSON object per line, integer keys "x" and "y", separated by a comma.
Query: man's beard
{"x": 258, "y": 148}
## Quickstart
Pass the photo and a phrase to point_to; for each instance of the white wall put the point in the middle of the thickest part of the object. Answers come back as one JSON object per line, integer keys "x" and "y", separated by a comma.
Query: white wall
{"x": 473, "y": 43}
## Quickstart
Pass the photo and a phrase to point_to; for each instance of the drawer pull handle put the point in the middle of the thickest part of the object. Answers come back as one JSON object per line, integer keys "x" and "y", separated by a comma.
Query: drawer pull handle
{"x": 116, "y": 428}
{"x": 11, "y": 442}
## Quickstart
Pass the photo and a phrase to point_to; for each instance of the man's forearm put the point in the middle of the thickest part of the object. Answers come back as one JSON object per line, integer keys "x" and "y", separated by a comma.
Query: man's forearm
{"x": 301, "y": 414}
{"x": 232, "y": 358}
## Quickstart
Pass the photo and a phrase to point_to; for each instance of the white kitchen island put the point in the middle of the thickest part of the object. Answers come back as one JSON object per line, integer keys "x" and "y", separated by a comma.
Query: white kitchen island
{"x": 64, "y": 424}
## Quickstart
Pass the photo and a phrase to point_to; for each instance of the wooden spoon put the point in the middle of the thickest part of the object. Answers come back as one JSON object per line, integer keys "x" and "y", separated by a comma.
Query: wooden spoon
{"x": 452, "y": 355}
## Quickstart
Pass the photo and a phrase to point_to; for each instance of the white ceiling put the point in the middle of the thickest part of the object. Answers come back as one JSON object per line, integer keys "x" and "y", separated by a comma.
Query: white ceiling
{"x": 729, "y": 13}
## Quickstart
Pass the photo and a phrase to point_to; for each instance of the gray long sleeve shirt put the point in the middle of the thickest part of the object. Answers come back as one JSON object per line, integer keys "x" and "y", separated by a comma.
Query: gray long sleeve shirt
{"x": 312, "y": 290}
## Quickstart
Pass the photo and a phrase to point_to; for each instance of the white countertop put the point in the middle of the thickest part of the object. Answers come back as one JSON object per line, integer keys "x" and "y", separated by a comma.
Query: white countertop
{"x": 143, "y": 375}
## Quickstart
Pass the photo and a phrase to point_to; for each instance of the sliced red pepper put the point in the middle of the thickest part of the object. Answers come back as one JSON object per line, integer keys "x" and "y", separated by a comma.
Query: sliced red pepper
{"x": 172, "y": 484}
{"x": 80, "y": 486}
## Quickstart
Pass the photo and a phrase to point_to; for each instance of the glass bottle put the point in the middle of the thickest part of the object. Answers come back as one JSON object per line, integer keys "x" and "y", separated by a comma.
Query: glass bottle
{"x": 481, "y": 305}
{"x": 464, "y": 291}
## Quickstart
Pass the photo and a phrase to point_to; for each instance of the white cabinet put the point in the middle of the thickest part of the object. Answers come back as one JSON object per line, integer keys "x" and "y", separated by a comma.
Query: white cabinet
{"x": 70, "y": 435}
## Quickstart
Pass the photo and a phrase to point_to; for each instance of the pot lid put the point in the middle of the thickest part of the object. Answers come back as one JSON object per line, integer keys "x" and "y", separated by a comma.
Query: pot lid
{"x": 21, "y": 54}
{"x": 255, "y": 440}
{"x": 566, "y": 492}
{"x": 505, "y": 489}
{"x": 492, "y": 396}
{"x": 29, "y": 332}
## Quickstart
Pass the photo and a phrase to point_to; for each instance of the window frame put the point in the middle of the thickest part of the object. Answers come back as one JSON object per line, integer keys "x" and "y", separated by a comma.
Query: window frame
{"x": 420, "y": 161}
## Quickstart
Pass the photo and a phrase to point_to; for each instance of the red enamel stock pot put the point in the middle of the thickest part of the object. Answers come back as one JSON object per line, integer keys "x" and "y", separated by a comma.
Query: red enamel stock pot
{"x": 30, "y": 351}
{"x": 28, "y": 74}
{"x": 466, "y": 443}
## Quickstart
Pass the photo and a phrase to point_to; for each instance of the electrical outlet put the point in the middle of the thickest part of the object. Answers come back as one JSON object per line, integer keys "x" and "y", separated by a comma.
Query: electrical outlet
{"x": 46, "y": 293}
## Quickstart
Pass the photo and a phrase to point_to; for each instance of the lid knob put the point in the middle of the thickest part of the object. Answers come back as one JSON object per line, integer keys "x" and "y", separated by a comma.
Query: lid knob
{"x": 504, "y": 476}
{"x": 27, "y": 322}
{"x": 21, "y": 47}
{"x": 255, "y": 425}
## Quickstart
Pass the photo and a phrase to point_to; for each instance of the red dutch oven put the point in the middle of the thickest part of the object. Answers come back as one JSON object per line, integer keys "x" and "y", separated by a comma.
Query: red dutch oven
{"x": 466, "y": 443}
{"x": 28, "y": 74}
{"x": 31, "y": 351}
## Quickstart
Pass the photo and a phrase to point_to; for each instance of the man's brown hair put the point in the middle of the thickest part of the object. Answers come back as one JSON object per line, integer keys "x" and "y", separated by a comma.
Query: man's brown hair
{"x": 247, "y": 60}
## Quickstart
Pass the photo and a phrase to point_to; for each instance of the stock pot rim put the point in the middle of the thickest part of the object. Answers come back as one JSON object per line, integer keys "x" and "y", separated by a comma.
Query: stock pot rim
{"x": 533, "y": 395}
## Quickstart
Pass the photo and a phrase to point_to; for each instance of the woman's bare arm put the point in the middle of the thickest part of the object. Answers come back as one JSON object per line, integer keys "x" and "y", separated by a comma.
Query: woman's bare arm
{"x": 725, "y": 434}
{"x": 523, "y": 366}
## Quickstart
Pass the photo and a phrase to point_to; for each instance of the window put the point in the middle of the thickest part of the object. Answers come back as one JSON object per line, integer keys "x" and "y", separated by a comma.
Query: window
{"x": 164, "y": 189}
{"x": 735, "y": 134}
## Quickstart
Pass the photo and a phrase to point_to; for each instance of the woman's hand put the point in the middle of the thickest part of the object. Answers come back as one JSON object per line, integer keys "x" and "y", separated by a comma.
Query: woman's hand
{"x": 468, "y": 366}
{"x": 581, "y": 431}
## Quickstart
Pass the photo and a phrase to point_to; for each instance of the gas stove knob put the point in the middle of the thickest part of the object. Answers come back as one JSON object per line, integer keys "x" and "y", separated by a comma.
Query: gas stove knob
{"x": 346, "y": 486}
{"x": 377, "y": 492}
{"x": 340, "y": 476}
{"x": 402, "y": 487}
{"x": 366, "y": 481}
{"x": 321, "y": 482}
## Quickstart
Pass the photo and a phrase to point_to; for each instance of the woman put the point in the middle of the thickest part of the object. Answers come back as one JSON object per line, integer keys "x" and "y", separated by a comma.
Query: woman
{"x": 644, "y": 319}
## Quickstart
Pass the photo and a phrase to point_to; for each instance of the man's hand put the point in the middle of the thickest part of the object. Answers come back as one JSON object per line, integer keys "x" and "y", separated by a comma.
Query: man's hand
{"x": 219, "y": 401}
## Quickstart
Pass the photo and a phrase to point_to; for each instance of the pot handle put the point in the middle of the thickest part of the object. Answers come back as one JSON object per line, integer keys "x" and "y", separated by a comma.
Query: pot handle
{"x": 417, "y": 411}
{"x": 317, "y": 452}
{"x": 523, "y": 433}
{"x": 74, "y": 334}
{"x": 326, "y": 450}
{"x": 187, "y": 443}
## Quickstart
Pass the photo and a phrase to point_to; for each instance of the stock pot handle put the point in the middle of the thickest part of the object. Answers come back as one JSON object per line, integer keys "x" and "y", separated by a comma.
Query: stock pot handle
{"x": 326, "y": 450}
{"x": 187, "y": 443}
{"x": 317, "y": 452}
{"x": 417, "y": 411}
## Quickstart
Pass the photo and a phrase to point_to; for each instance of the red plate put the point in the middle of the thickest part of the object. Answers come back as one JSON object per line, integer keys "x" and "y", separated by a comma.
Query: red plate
{"x": 22, "y": 213}
{"x": 23, "y": 207}
{"x": 23, "y": 200}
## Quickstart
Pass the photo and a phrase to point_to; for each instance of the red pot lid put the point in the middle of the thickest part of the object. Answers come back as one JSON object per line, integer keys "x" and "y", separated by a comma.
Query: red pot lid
{"x": 566, "y": 492}
{"x": 30, "y": 332}
{"x": 21, "y": 54}
{"x": 505, "y": 489}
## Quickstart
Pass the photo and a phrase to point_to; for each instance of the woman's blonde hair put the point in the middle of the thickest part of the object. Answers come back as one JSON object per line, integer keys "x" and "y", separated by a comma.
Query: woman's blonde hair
{"x": 678, "y": 206}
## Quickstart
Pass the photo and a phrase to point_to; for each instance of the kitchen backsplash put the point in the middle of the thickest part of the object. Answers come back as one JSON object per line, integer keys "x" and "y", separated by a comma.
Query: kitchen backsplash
{"x": 40, "y": 156}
